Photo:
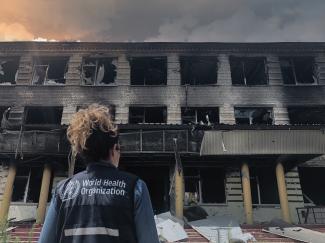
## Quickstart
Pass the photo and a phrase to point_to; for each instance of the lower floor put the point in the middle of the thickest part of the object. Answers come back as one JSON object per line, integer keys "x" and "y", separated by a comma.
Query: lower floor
{"x": 252, "y": 193}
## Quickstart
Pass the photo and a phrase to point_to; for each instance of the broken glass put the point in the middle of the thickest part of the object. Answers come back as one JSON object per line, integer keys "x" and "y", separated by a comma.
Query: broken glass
{"x": 200, "y": 115}
{"x": 99, "y": 71}
{"x": 9, "y": 70}
{"x": 253, "y": 115}
{"x": 248, "y": 70}
{"x": 50, "y": 70}
{"x": 298, "y": 70}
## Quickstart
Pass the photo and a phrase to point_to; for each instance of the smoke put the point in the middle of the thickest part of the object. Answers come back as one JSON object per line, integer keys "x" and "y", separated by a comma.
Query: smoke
{"x": 163, "y": 20}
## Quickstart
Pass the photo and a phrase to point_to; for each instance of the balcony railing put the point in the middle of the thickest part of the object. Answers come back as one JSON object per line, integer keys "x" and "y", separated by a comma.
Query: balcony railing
{"x": 311, "y": 215}
{"x": 160, "y": 141}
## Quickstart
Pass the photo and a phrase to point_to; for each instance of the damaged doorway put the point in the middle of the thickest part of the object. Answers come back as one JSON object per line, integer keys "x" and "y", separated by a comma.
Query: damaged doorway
{"x": 157, "y": 180}
{"x": 312, "y": 183}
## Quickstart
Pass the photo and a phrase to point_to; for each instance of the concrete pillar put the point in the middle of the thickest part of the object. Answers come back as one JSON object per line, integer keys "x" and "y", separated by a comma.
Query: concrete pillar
{"x": 179, "y": 194}
{"x": 279, "y": 170}
{"x": 44, "y": 193}
{"x": 6, "y": 199}
{"x": 247, "y": 193}
{"x": 173, "y": 70}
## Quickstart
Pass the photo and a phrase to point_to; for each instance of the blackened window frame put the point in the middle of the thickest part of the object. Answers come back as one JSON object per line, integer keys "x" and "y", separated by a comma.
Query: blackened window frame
{"x": 267, "y": 108}
{"x": 291, "y": 66}
{"x": 190, "y": 75}
{"x": 45, "y": 63}
{"x": 184, "y": 117}
{"x": 240, "y": 63}
{"x": 16, "y": 61}
{"x": 304, "y": 110}
{"x": 144, "y": 110}
{"x": 259, "y": 174}
{"x": 29, "y": 184}
{"x": 197, "y": 174}
{"x": 96, "y": 65}
{"x": 58, "y": 110}
{"x": 148, "y": 62}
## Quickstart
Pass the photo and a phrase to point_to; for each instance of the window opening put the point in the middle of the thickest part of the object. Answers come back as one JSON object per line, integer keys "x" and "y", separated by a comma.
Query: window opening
{"x": 9, "y": 70}
{"x": 99, "y": 71}
{"x": 305, "y": 115}
{"x": 27, "y": 185}
{"x": 50, "y": 71}
{"x": 248, "y": 70}
{"x": 253, "y": 115}
{"x": 200, "y": 115}
{"x": 43, "y": 115}
{"x": 204, "y": 185}
{"x": 4, "y": 111}
{"x": 148, "y": 70}
{"x": 298, "y": 70}
{"x": 157, "y": 180}
{"x": 264, "y": 186}
{"x": 147, "y": 115}
{"x": 312, "y": 183}
{"x": 199, "y": 70}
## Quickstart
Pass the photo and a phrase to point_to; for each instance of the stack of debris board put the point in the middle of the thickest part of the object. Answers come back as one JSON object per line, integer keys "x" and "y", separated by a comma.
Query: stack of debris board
{"x": 221, "y": 230}
{"x": 298, "y": 233}
{"x": 169, "y": 228}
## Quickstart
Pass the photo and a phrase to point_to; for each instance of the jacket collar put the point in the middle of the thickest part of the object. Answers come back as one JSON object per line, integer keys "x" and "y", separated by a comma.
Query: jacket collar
{"x": 100, "y": 164}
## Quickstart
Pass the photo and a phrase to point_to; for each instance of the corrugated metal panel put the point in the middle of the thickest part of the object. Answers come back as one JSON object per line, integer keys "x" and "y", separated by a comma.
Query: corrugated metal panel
{"x": 248, "y": 142}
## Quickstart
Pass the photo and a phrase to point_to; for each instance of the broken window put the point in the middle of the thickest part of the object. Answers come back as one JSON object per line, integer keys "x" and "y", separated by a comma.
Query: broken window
{"x": 305, "y": 115}
{"x": 298, "y": 70}
{"x": 253, "y": 115}
{"x": 248, "y": 70}
{"x": 312, "y": 183}
{"x": 9, "y": 70}
{"x": 3, "y": 110}
{"x": 148, "y": 70}
{"x": 27, "y": 185}
{"x": 200, "y": 115}
{"x": 199, "y": 70}
{"x": 43, "y": 115}
{"x": 147, "y": 115}
{"x": 99, "y": 71}
{"x": 204, "y": 185}
{"x": 264, "y": 186}
{"x": 50, "y": 70}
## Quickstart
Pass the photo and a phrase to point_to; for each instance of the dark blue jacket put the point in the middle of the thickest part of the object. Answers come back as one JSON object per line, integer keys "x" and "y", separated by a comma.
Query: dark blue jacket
{"x": 96, "y": 205}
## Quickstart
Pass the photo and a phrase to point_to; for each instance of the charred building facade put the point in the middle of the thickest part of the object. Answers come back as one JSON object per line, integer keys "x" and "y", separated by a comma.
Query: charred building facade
{"x": 245, "y": 120}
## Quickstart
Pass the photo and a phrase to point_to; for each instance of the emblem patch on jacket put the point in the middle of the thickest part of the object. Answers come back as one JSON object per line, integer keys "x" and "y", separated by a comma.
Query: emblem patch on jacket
{"x": 71, "y": 191}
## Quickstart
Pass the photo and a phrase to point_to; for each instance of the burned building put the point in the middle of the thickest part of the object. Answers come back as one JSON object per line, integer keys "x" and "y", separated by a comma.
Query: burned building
{"x": 244, "y": 122}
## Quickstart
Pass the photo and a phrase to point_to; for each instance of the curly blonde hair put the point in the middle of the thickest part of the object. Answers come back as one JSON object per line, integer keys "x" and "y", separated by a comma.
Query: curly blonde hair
{"x": 90, "y": 128}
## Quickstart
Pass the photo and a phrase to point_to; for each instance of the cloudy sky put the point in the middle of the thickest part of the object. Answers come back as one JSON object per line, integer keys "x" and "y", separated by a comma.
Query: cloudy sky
{"x": 163, "y": 20}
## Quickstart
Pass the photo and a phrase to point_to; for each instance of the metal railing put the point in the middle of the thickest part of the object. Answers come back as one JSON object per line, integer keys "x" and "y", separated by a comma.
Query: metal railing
{"x": 160, "y": 141}
{"x": 311, "y": 215}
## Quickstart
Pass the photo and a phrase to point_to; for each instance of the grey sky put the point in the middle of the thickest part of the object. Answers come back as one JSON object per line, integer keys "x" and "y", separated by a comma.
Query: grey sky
{"x": 164, "y": 20}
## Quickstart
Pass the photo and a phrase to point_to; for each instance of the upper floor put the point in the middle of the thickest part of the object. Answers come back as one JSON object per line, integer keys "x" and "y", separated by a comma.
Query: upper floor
{"x": 161, "y": 64}
{"x": 227, "y": 83}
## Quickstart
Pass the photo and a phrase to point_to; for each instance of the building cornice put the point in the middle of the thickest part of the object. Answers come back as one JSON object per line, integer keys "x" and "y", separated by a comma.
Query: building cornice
{"x": 161, "y": 46}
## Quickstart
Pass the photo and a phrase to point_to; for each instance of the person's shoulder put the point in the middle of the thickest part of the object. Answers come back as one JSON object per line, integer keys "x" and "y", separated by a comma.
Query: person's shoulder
{"x": 128, "y": 175}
